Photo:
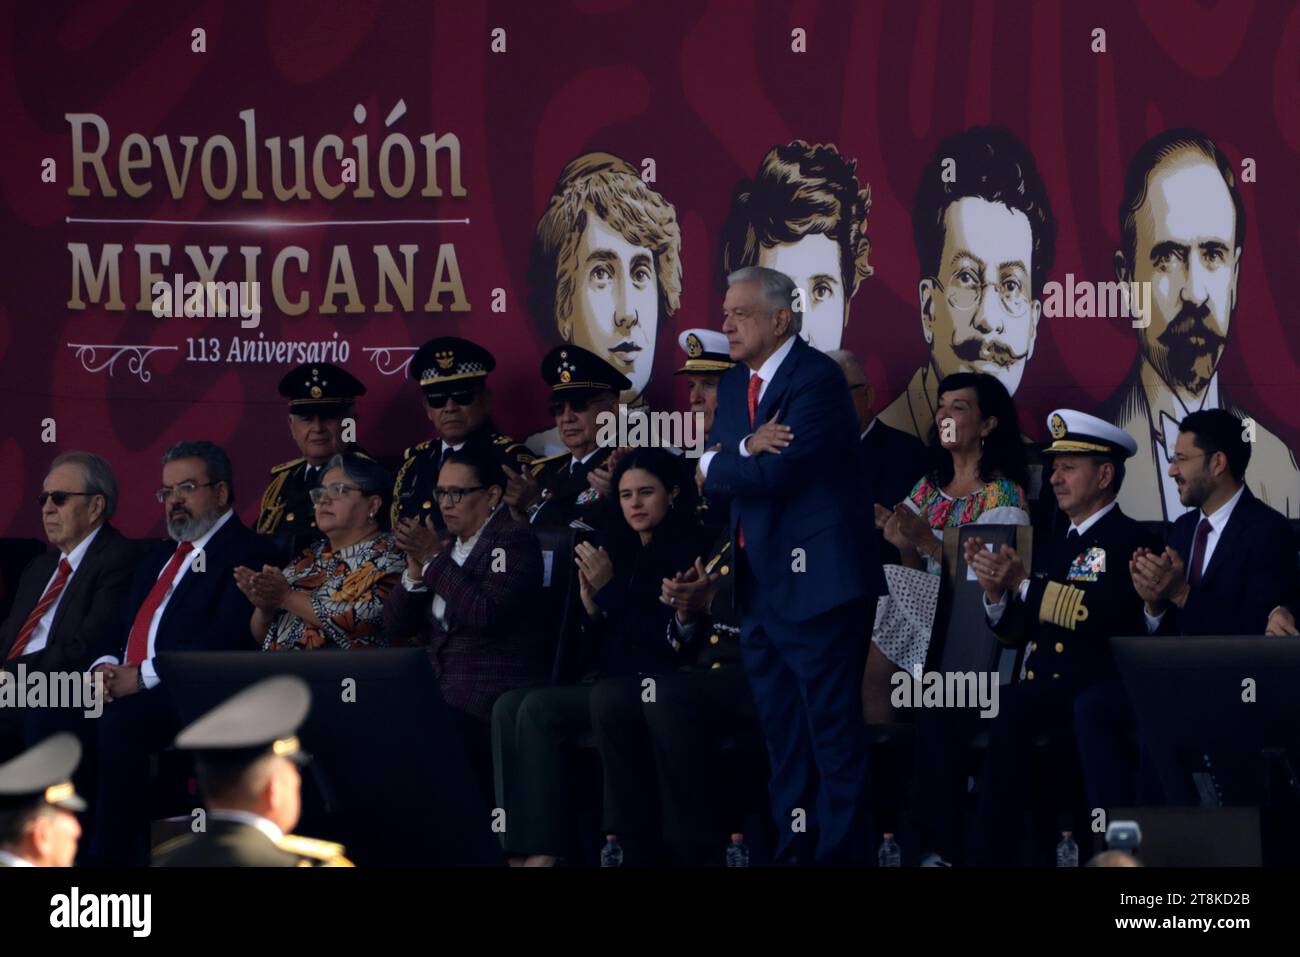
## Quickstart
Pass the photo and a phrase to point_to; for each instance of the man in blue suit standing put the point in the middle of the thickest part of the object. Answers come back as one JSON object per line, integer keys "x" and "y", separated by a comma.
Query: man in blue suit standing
{"x": 183, "y": 597}
{"x": 785, "y": 452}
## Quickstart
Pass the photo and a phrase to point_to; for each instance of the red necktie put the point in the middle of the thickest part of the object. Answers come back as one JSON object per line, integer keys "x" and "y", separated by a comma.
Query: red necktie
{"x": 47, "y": 601}
{"x": 1198, "y": 552}
{"x": 137, "y": 646}
{"x": 755, "y": 386}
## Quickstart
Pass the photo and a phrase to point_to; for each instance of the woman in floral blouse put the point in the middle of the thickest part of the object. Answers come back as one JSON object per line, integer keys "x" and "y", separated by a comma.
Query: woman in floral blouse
{"x": 332, "y": 595}
{"x": 979, "y": 476}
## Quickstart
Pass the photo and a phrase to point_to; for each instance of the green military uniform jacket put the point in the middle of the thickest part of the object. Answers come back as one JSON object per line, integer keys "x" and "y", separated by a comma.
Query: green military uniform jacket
{"x": 235, "y": 844}
{"x": 566, "y": 493}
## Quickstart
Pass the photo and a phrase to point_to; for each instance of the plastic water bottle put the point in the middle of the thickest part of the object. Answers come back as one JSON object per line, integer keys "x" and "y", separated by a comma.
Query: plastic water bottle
{"x": 1067, "y": 852}
{"x": 737, "y": 852}
{"x": 890, "y": 854}
{"x": 611, "y": 855}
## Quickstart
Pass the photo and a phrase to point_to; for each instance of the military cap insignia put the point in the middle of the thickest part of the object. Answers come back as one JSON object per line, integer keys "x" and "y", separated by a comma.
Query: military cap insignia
{"x": 694, "y": 348}
{"x": 1057, "y": 426}
{"x": 445, "y": 359}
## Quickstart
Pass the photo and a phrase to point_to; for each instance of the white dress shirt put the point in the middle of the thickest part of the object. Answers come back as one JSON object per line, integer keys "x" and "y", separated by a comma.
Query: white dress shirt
{"x": 267, "y": 827}
{"x": 147, "y": 670}
{"x": 13, "y": 860}
{"x": 1218, "y": 522}
{"x": 765, "y": 372}
{"x": 994, "y": 610}
{"x": 42, "y": 633}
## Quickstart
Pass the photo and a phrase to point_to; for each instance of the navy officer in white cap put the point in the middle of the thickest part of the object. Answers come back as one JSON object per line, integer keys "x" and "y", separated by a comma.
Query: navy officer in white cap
{"x": 39, "y": 806}
{"x": 247, "y": 756}
{"x": 1070, "y": 689}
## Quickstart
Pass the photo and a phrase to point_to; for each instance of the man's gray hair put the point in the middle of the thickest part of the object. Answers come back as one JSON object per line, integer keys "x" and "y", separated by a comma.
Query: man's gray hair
{"x": 847, "y": 360}
{"x": 779, "y": 291}
{"x": 215, "y": 461}
{"x": 96, "y": 473}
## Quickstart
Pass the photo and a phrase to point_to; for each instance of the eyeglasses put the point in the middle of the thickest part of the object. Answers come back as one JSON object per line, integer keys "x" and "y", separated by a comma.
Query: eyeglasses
{"x": 333, "y": 490}
{"x": 60, "y": 498}
{"x": 967, "y": 291}
{"x": 184, "y": 490}
{"x": 439, "y": 401}
{"x": 455, "y": 494}
{"x": 579, "y": 406}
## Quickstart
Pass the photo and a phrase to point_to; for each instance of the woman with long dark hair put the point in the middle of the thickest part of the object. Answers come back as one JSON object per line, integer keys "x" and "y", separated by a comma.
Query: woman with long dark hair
{"x": 624, "y": 634}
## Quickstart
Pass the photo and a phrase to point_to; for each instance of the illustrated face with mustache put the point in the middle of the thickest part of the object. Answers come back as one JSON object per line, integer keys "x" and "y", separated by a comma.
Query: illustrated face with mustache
{"x": 615, "y": 303}
{"x": 992, "y": 244}
{"x": 1186, "y": 250}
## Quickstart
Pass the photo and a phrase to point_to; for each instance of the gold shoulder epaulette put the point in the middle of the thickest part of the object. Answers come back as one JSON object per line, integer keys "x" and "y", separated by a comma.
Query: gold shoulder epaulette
{"x": 1063, "y": 606}
{"x": 536, "y": 465}
{"x": 327, "y": 852}
{"x": 171, "y": 844}
{"x": 417, "y": 448}
{"x": 277, "y": 469}
{"x": 717, "y": 557}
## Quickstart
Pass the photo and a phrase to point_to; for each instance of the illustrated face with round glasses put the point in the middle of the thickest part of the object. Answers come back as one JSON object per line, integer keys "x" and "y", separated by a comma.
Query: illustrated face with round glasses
{"x": 979, "y": 313}
{"x": 576, "y": 419}
{"x": 458, "y": 412}
{"x": 68, "y": 512}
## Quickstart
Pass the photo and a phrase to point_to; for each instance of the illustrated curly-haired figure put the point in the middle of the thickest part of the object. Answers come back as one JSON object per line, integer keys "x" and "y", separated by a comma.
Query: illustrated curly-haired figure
{"x": 985, "y": 237}
{"x": 803, "y": 214}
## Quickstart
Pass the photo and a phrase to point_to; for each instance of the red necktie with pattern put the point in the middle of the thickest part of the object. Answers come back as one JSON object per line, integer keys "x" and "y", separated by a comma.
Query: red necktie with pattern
{"x": 51, "y": 595}
{"x": 137, "y": 646}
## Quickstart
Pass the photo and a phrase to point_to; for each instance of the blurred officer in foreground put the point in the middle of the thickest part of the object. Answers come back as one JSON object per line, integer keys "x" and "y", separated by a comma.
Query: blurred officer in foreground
{"x": 247, "y": 757}
{"x": 38, "y": 805}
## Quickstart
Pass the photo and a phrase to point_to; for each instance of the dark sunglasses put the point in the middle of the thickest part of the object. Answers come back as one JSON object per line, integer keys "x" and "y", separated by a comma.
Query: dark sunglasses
{"x": 60, "y": 498}
{"x": 577, "y": 405}
{"x": 440, "y": 400}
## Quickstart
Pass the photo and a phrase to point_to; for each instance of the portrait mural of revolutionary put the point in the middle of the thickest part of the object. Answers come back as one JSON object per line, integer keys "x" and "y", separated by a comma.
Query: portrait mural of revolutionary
{"x": 605, "y": 271}
{"x": 985, "y": 239}
{"x": 803, "y": 214}
{"x": 1183, "y": 227}
{"x": 392, "y": 177}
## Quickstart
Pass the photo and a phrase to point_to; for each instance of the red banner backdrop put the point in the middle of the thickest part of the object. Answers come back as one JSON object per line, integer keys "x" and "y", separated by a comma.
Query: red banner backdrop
{"x": 692, "y": 95}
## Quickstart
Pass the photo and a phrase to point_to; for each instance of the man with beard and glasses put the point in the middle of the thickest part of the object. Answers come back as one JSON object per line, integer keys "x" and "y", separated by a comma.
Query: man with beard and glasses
{"x": 183, "y": 597}
{"x": 1182, "y": 228}
{"x": 985, "y": 237}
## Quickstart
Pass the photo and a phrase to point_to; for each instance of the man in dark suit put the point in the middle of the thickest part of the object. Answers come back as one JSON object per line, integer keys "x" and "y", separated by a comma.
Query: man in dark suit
{"x": 785, "y": 451}
{"x": 183, "y": 598}
{"x": 1232, "y": 561}
{"x": 67, "y": 600}
{"x": 895, "y": 460}
{"x": 1067, "y": 616}
{"x": 247, "y": 756}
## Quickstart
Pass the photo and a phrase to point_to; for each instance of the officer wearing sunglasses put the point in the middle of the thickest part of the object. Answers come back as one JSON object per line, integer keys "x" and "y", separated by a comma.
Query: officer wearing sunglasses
{"x": 452, "y": 373}
{"x": 556, "y": 490}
